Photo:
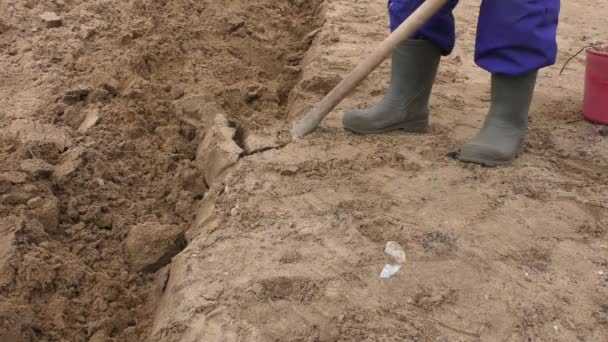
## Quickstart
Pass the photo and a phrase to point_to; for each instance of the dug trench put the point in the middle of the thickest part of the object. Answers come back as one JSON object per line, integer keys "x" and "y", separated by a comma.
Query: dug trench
{"x": 124, "y": 113}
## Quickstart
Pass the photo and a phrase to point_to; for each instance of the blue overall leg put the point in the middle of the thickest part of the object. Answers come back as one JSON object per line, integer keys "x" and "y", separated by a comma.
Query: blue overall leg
{"x": 516, "y": 37}
{"x": 440, "y": 29}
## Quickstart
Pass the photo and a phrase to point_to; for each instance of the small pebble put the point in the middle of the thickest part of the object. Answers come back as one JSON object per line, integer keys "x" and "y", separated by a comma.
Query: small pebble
{"x": 98, "y": 95}
{"x": 452, "y": 155}
{"x": 235, "y": 23}
{"x": 76, "y": 95}
{"x": 289, "y": 170}
{"x": 35, "y": 202}
{"x": 51, "y": 19}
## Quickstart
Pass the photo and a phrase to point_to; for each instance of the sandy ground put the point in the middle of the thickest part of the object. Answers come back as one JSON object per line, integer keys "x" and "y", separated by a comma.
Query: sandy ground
{"x": 133, "y": 130}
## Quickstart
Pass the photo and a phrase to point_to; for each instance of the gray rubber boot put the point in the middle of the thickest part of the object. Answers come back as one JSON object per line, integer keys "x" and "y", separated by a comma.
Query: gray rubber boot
{"x": 502, "y": 136}
{"x": 405, "y": 105}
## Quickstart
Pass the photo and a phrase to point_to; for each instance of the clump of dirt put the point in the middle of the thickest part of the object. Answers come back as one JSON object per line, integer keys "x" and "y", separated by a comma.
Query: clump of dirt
{"x": 294, "y": 289}
{"x": 290, "y": 257}
{"x": 537, "y": 258}
{"x": 151, "y": 246}
{"x": 602, "y": 315}
{"x": 92, "y": 146}
{"x": 432, "y": 299}
{"x": 595, "y": 230}
{"x": 439, "y": 243}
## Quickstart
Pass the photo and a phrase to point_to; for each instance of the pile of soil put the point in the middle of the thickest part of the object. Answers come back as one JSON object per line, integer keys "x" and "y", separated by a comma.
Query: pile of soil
{"x": 92, "y": 147}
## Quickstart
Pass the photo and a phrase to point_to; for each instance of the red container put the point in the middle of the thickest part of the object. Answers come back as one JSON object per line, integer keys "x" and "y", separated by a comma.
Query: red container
{"x": 596, "y": 85}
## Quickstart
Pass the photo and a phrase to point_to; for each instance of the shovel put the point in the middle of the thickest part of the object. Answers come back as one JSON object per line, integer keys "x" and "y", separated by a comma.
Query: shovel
{"x": 415, "y": 21}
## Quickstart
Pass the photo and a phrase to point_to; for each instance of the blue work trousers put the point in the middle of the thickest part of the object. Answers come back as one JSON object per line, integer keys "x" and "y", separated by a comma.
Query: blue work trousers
{"x": 514, "y": 37}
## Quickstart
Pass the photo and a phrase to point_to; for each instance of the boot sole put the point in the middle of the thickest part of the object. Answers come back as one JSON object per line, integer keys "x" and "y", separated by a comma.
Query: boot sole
{"x": 489, "y": 162}
{"x": 410, "y": 127}
{"x": 485, "y": 162}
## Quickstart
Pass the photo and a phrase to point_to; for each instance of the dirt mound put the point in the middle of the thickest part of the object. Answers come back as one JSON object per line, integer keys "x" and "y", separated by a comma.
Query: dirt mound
{"x": 93, "y": 146}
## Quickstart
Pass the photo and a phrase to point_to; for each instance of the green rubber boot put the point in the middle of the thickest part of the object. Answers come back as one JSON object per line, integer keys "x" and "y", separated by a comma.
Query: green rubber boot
{"x": 502, "y": 136}
{"x": 405, "y": 105}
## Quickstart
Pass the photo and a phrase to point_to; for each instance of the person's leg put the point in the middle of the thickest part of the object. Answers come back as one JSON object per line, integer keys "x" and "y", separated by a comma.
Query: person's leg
{"x": 515, "y": 39}
{"x": 413, "y": 70}
{"x": 439, "y": 30}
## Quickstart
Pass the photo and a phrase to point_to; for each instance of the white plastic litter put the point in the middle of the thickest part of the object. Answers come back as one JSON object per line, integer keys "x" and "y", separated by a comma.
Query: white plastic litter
{"x": 395, "y": 250}
{"x": 389, "y": 271}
